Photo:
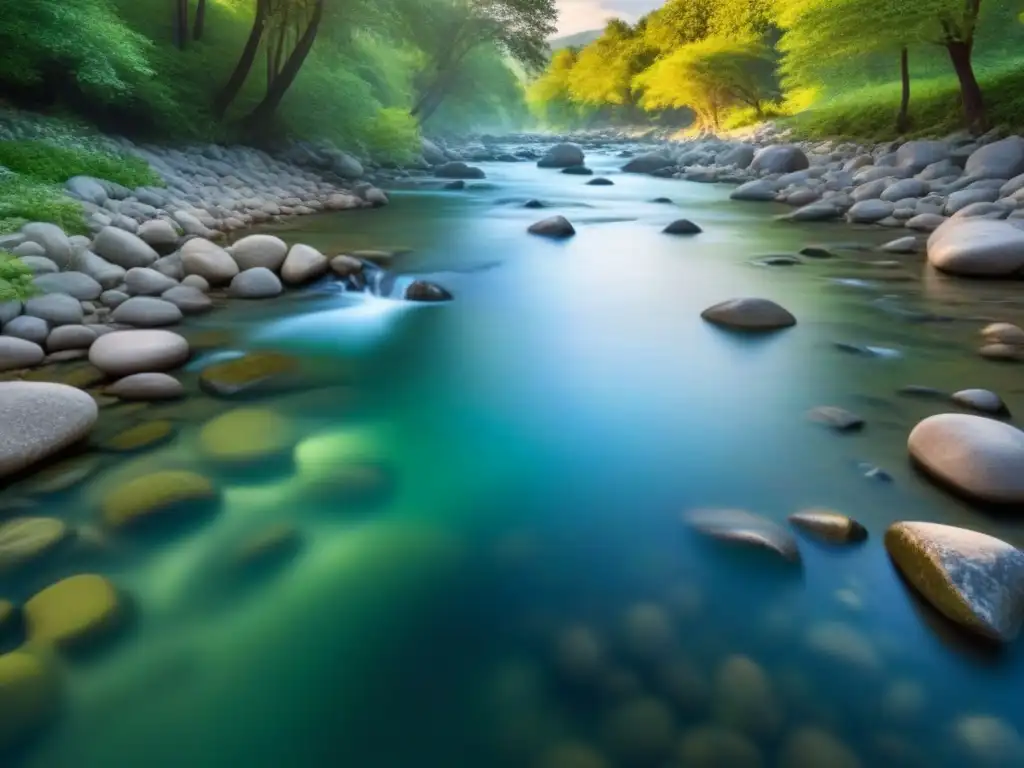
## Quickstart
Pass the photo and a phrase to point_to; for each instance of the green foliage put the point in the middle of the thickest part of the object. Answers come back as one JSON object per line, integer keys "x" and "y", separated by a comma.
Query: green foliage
{"x": 708, "y": 77}
{"x": 50, "y": 163}
{"x": 604, "y": 71}
{"x": 394, "y": 136}
{"x": 866, "y": 113}
{"x": 15, "y": 279}
{"x": 46, "y": 44}
{"x": 23, "y": 199}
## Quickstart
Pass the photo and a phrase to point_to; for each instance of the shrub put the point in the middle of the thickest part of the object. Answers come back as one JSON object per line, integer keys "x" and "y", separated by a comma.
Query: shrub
{"x": 394, "y": 136}
{"x": 47, "y": 162}
{"x": 15, "y": 279}
{"x": 23, "y": 199}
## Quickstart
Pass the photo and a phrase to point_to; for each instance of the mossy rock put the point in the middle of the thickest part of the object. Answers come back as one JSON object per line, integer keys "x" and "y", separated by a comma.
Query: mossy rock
{"x": 210, "y": 339}
{"x": 246, "y": 436}
{"x": 157, "y": 496}
{"x": 140, "y": 437}
{"x": 29, "y": 696}
{"x": 81, "y": 376}
{"x": 61, "y": 477}
{"x": 255, "y": 373}
{"x": 25, "y": 540}
{"x": 74, "y": 613}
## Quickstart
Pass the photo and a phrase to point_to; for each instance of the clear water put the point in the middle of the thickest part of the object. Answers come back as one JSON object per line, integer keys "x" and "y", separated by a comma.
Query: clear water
{"x": 544, "y": 432}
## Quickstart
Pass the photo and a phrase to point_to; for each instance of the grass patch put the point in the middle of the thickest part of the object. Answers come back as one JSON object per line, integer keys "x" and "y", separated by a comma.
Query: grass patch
{"x": 15, "y": 279}
{"x": 869, "y": 113}
{"x": 49, "y": 163}
{"x": 23, "y": 199}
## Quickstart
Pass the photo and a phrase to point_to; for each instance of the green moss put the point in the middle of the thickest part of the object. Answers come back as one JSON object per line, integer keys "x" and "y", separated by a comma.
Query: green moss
{"x": 15, "y": 279}
{"x": 51, "y": 163}
{"x": 23, "y": 199}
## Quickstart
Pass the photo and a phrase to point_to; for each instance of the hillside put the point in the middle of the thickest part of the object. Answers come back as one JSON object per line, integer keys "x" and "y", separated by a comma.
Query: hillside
{"x": 580, "y": 38}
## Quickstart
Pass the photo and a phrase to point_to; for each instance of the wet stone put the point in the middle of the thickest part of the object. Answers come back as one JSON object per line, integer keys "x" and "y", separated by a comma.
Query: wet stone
{"x": 711, "y": 746}
{"x": 813, "y": 747}
{"x": 682, "y": 227}
{"x": 816, "y": 252}
{"x": 981, "y": 400}
{"x": 829, "y": 526}
{"x": 641, "y": 730}
{"x": 743, "y": 528}
{"x": 251, "y": 374}
{"x": 140, "y": 437}
{"x": 28, "y": 540}
{"x": 150, "y": 498}
{"x": 74, "y": 613}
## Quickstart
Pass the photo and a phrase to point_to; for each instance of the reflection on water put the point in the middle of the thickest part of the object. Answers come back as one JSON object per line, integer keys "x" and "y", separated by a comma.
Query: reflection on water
{"x": 457, "y": 539}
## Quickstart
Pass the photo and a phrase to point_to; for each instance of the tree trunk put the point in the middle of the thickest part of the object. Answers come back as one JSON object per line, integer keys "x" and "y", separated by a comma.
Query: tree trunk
{"x": 266, "y": 108}
{"x": 200, "y": 22}
{"x": 970, "y": 91}
{"x": 180, "y": 24}
{"x": 234, "y": 84}
{"x": 903, "y": 118}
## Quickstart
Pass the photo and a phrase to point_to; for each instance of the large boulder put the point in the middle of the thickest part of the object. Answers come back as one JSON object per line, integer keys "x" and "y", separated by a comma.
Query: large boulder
{"x": 561, "y": 156}
{"x": 38, "y": 419}
{"x": 123, "y": 353}
{"x": 648, "y": 163}
{"x": 259, "y": 251}
{"x": 121, "y": 247}
{"x": 999, "y": 160}
{"x": 303, "y": 264}
{"x": 973, "y": 579}
{"x": 740, "y": 156}
{"x": 208, "y": 260}
{"x": 976, "y": 247}
{"x": 779, "y": 158}
{"x": 257, "y": 283}
{"x": 56, "y": 309}
{"x": 979, "y": 457}
{"x": 918, "y": 155}
{"x": 749, "y": 314}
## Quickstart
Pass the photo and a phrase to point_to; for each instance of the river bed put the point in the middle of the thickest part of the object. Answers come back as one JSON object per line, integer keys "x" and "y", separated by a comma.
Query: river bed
{"x": 526, "y": 579}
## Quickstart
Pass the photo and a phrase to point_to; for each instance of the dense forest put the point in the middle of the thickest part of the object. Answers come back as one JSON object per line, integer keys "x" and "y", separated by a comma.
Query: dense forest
{"x": 861, "y": 68}
{"x": 362, "y": 73}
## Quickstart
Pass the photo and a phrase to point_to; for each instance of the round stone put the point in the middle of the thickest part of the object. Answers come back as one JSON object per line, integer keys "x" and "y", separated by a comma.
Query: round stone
{"x": 982, "y": 458}
{"x": 1003, "y": 333}
{"x": 38, "y": 419}
{"x": 246, "y": 436}
{"x": 209, "y": 261}
{"x": 146, "y": 387}
{"x": 749, "y": 314}
{"x": 711, "y": 746}
{"x": 255, "y": 251}
{"x": 744, "y": 699}
{"x": 29, "y": 696}
{"x": 249, "y": 373}
{"x": 579, "y": 653}
{"x": 829, "y": 526}
{"x": 974, "y": 579}
{"x": 981, "y": 400}
{"x": 74, "y": 612}
{"x": 303, "y": 264}
{"x": 647, "y": 631}
{"x": 140, "y": 437}
{"x": 743, "y": 528}
{"x": 25, "y": 540}
{"x": 156, "y": 496}
{"x": 18, "y": 353}
{"x": 123, "y": 353}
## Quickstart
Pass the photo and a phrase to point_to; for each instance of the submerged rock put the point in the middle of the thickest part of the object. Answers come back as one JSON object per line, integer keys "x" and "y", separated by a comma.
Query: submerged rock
{"x": 246, "y": 436}
{"x": 27, "y": 540}
{"x": 148, "y": 498}
{"x": 981, "y": 400}
{"x": 744, "y": 699}
{"x": 555, "y": 226}
{"x": 826, "y": 525}
{"x": 579, "y": 653}
{"x": 578, "y": 170}
{"x": 600, "y": 181}
{"x": 572, "y": 755}
{"x": 741, "y": 527}
{"x": 641, "y": 730}
{"x": 713, "y": 746}
{"x": 750, "y": 314}
{"x": 146, "y": 435}
{"x": 836, "y": 418}
{"x": 29, "y": 696}
{"x": 74, "y": 613}
{"x": 682, "y": 227}
{"x": 812, "y": 747}
{"x": 251, "y": 373}
{"x": 974, "y": 579}
{"x": 982, "y": 458}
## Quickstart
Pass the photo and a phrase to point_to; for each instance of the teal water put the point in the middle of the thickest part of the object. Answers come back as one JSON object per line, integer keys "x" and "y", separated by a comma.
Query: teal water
{"x": 542, "y": 435}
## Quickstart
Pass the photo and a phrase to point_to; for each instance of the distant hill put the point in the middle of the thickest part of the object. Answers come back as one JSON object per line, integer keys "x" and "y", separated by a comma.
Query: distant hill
{"x": 569, "y": 41}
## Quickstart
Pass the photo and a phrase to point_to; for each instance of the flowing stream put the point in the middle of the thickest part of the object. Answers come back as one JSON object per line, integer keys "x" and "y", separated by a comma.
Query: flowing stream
{"x": 542, "y": 435}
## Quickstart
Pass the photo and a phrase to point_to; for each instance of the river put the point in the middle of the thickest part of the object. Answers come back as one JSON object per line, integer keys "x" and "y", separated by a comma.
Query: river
{"x": 525, "y": 578}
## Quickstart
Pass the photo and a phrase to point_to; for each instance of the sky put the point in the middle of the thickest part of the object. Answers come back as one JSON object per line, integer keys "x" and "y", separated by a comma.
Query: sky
{"x": 580, "y": 15}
